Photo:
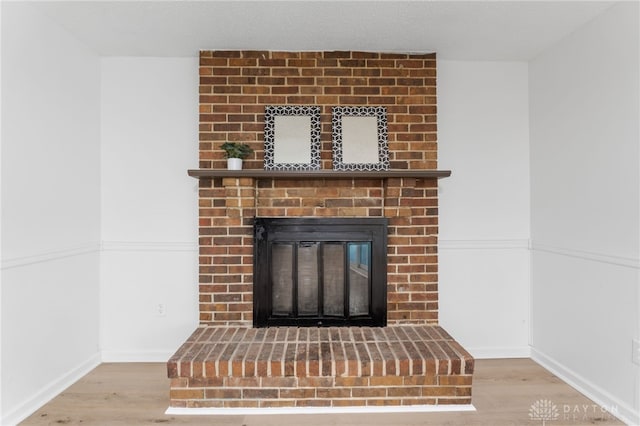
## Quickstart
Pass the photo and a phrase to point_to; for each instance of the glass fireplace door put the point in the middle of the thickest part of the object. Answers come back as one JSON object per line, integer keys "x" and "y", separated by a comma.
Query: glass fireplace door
{"x": 316, "y": 279}
{"x": 320, "y": 279}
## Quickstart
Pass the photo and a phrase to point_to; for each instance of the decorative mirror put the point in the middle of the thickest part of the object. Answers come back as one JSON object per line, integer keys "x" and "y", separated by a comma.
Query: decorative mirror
{"x": 292, "y": 137}
{"x": 360, "y": 138}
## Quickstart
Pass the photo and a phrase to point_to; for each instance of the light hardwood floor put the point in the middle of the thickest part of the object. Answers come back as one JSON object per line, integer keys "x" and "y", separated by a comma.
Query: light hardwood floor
{"x": 503, "y": 393}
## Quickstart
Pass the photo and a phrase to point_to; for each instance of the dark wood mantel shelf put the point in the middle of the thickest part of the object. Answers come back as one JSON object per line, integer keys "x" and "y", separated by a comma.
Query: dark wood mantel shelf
{"x": 317, "y": 174}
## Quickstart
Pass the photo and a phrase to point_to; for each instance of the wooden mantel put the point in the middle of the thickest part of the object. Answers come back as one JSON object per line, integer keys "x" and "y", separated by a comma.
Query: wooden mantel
{"x": 317, "y": 174}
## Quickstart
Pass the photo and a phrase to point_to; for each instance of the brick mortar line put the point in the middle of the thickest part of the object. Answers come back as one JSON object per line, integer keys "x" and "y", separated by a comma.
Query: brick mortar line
{"x": 287, "y": 388}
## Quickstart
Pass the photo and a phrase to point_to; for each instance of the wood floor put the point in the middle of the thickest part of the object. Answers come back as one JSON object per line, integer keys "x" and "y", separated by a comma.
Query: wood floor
{"x": 503, "y": 394}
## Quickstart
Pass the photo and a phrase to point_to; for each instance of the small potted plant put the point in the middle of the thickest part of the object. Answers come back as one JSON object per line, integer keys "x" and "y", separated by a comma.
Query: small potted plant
{"x": 235, "y": 153}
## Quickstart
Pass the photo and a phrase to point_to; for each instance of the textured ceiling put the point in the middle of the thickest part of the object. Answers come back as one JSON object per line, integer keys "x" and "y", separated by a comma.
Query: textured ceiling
{"x": 464, "y": 30}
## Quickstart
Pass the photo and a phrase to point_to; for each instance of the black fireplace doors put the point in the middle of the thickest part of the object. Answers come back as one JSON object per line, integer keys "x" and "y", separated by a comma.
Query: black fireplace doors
{"x": 320, "y": 272}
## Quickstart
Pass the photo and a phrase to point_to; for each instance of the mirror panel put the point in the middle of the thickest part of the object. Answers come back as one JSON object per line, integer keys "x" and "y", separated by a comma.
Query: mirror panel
{"x": 292, "y": 138}
{"x": 361, "y": 134}
{"x": 291, "y": 134}
{"x": 360, "y": 138}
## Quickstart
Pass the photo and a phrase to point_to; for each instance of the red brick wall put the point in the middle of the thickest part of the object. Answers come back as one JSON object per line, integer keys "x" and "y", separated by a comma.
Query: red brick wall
{"x": 235, "y": 86}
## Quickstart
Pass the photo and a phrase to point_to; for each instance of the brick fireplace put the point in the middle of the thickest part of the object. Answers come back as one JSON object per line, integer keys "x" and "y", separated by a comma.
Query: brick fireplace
{"x": 227, "y": 362}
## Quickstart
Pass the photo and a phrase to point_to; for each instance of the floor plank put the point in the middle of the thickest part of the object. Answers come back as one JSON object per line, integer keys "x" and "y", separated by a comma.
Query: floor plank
{"x": 503, "y": 393}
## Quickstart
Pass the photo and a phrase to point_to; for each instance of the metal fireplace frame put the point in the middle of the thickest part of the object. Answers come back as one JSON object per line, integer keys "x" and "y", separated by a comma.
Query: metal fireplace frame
{"x": 268, "y": 230}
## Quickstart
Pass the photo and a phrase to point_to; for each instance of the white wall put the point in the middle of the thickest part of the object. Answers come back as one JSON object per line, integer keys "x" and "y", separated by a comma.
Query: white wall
{"x": 149, "y": 206}
{"x": 1, "y": 133}
{"x": 149, "y": 139}
{"x": 483, "y": 138}
{"x": 585, "y": 221}
{"x": 50, "y": 210}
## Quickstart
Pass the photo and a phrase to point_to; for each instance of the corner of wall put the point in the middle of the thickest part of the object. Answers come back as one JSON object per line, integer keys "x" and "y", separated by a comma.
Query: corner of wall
{"x": 585, "y": 224}
{"x": 49, "y": 391}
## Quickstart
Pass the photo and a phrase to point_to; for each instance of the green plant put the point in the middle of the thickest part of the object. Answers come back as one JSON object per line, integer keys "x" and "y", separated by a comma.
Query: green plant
{"x": 236, "y": 150}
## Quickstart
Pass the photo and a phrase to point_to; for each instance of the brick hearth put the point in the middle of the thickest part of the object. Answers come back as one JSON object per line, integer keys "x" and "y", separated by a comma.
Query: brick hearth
{"x": 228, "y": 367}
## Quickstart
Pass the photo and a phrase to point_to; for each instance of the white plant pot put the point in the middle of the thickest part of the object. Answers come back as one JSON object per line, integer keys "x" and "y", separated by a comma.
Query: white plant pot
{"x": 234, "y": 163}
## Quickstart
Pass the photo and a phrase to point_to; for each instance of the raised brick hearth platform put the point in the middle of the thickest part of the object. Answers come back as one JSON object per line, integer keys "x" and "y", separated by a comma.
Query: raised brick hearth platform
{"x": 229, "y": 367}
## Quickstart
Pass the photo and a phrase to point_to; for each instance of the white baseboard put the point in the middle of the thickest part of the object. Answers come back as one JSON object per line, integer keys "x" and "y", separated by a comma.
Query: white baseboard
{"x": 49, "y": 391}
{"x": 320, "y": 410}
{"x": 164, "y": 355}
{"x": 137, "y": 356}
{"x": 489, "y": 352}
{"x": 604, "y": 399}
{"x": 499, "y": 352}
